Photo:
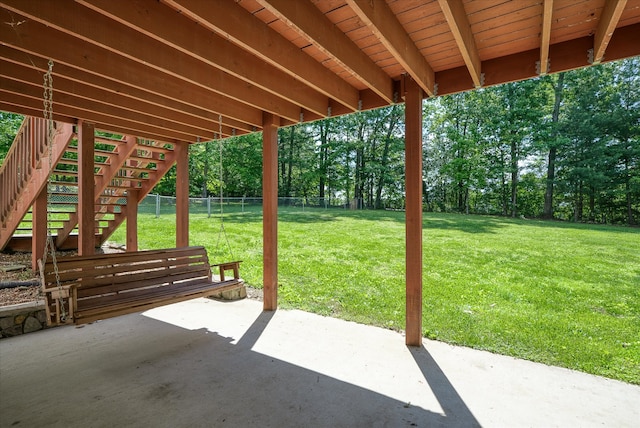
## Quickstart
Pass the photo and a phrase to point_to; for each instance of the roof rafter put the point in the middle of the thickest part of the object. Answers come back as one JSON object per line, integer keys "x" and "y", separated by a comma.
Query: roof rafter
{"x": 34, "y": 101}
{"x": 135, "y": 107}
{"x": 241, "y": 27}
{"x": 313, "y": 25}
{"x": 545, "y": 36}
{"x": 385, "y": 26}
{"x": 91, "y": 59}
{"x": 108, "y": 89}
{"x": 163, "y": 24}
{"x": 90, "y": 28}
{"x": 459, "y": 24}
{"x": 35, "y": 112}
{"x": 606, "y": 26}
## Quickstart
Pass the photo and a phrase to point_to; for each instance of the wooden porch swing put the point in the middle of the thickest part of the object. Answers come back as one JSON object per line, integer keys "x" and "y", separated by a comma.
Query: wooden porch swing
{"x": 83, "y": 289}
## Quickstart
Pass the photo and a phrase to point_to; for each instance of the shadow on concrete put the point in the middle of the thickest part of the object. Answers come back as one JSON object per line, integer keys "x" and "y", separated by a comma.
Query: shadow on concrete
{"x": 456, "y": 411}
{"x": 138, "y": 371}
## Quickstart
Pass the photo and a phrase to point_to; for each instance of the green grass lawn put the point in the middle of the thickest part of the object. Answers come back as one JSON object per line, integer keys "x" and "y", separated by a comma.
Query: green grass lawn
{"x": 556, "y": 293}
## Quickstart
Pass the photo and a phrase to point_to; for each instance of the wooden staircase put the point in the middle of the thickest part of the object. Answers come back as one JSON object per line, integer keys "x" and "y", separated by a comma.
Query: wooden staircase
{"x": 122, "y": 167}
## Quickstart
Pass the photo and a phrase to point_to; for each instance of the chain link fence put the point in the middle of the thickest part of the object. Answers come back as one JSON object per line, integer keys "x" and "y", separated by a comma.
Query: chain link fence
{"x": 163, "y": 205}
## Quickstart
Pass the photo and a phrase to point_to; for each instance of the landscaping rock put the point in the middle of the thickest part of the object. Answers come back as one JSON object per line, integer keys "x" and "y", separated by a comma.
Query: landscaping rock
{"x": 31, "y": 324}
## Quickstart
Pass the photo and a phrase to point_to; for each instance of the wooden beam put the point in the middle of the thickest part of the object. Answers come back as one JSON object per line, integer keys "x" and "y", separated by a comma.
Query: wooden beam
{"x": 270, "y": 211}
{"x": 106, "y": 112}
{"x": 79, "y": 91}
{"x": 165, "y": 25}
{"x": 569, "y": 55}
{"x": 313, "y": 25}
{"x": 29, "y": 98}
{"x": 545, "y": 36}
{"x": 413, "y": 214}
{"x": 208, "y": 108}
{"x": 86, "y": 183}
{"x": 28, "y": 111}
{"x": 84, "y": 84}
{"x": 459, "y": 24}
{"x": 76, "y": 21}
{"x": 606, "y": 26}
{"x": 385, "y": 26}
{"x": 132, "y": 220}
{"x": 35, "y": 39}
{"x": 182, "y": 195}
{"x": 39, "y": 230}
{"x": 233, "y": 22}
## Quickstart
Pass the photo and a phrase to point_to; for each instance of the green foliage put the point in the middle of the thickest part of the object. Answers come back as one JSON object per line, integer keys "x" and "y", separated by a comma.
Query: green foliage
{"x": 9, "y": 126}
{"x": 485, "y": 151}
{"x": 527, "y": 288}
{"x": 563, "y": 146}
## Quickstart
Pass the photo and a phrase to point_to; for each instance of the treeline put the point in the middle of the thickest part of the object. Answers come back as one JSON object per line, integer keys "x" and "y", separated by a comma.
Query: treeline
{"x": 565, "y": 146}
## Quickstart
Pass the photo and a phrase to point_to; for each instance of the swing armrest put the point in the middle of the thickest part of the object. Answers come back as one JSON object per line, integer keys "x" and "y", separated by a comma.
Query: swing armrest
{"x": 56, "y": 291}
{"x": 234, "y": 266}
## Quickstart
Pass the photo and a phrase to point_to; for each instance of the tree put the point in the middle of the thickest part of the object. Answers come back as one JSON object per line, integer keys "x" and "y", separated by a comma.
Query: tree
{"x": 517, "y": 126}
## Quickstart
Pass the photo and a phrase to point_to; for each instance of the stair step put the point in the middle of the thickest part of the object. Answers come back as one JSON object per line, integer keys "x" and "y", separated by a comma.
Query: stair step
{"x": 101, "y": 152}
{"x": 154, "y": 149}
{"x": 108, "y": 140}
{"x": 144, "y": 158}
{"x": 65, "y": 173}
{"x": 64, "y": 183}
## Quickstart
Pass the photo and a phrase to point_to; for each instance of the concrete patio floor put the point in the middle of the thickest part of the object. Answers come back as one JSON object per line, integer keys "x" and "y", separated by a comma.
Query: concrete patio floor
{"x": 205, "y": 363}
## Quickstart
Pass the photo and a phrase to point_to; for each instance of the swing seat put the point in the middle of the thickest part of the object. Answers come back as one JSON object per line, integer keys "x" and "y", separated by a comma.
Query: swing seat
{"x": 107, "y": 285}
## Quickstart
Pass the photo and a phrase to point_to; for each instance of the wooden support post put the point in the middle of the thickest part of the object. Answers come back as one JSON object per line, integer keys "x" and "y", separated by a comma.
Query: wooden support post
{"x": 39, "y": 228}
{"x": 182, "y": 194}
{"x": 86, "y": 184}
{"x": 270, "y": 211}
{"x": 413, "y": 226}
{"x": 132, "y": 220}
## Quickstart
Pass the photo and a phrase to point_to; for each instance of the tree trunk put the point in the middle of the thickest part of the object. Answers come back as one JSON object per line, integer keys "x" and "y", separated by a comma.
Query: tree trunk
{"x": 551, "y": 163}
{"x": 577, "y": 215}
{"x": 290, "y": 162}
{"x": 592, "y": 204}
{"x": 627, "y": 188}
{"x": 385, "y": 157}
{"x": 514, "y": 178}
{"x": 505, "y": 197}
{"x": 324, "y": 159}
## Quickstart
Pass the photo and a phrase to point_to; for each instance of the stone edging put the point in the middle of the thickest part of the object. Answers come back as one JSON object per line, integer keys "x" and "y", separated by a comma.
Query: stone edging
{"x": 22, "y": 318}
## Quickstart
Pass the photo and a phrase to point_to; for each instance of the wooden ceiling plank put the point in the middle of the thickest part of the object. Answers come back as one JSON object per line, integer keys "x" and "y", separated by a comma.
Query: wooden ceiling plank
{"x": 383, "y": 23}
{"x": 83, "y": 25}
{"x": 311, "y": 24}
{"x": 165, "y": 25}
{"x": 606, "y": 26}
{"x": 459, "y": 23}
{"x": 241, "y": 27}
{"x": 74, "y": 57}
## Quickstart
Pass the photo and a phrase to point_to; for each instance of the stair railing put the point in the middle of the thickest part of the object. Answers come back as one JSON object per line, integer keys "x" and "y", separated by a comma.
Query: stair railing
{"x": 26, "y": 153}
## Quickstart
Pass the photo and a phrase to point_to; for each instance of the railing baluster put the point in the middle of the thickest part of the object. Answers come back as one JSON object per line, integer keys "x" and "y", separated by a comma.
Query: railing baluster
{"x": 24, "y": 155}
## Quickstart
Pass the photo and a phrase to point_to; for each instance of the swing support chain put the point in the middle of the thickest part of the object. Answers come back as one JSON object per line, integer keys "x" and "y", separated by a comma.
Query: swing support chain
{"x": 49, "y": 244}
{"x": 222, "y": 230}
